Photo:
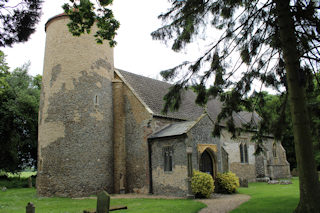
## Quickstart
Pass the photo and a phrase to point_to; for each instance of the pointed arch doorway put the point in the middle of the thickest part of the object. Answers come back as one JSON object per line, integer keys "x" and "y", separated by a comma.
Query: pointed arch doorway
{"x": 207, "y": 163}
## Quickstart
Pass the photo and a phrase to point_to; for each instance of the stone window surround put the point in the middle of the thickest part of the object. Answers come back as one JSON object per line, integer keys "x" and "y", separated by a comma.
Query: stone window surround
{"x": 212, "y": 149}
{"x": 274, "y": 150}
{"x": 96, "y": 100}
{"x": 168, "y": 159}
{"x": 243, "y": 150}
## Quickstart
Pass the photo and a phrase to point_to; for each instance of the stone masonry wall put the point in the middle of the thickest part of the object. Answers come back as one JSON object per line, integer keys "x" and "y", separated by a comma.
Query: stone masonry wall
{"x": 75, "y": 148}
{"x": 169, "y": 182}
{"x": 242, "y": 170}
{"x": 119, "y": 140}
{"x": 201, "y": 133}
{"x": 139, "y": 124}
{"x": 138, "y": 128}
{"x": 277, "y": 166}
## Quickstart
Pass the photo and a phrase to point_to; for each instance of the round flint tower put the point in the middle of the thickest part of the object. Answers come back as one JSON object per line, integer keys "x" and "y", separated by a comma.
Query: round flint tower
{"x": 75, "y": 149}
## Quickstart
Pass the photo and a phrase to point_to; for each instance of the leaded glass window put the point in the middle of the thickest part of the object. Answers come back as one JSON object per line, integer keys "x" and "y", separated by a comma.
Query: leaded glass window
{"x": 167, "y": 152}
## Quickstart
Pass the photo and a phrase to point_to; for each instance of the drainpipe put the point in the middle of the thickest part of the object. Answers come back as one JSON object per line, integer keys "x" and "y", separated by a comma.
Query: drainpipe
{"x": 150, "y": 166}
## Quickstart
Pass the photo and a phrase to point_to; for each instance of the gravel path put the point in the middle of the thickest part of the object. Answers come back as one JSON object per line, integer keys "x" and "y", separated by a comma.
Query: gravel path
{"x": 220, "y": 203}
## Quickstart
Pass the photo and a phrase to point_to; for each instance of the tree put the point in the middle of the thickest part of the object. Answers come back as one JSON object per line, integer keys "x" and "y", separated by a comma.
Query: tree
{"x": 19, "y": 20}
{"x": 275, "y": 113}
{"x": 83, "y": 15}
{"x": 278, "y": 44}
{"x": 19, "y": 104}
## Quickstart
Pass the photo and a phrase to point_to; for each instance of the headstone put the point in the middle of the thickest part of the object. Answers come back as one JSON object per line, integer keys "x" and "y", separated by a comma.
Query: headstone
{"x": 30, "y": 208}
{"x": 4, "y": 189}
{"x": 295, "y": 172}
{"x": 273, "y": 182}
{"x": 263, "y": 179}
{"x": 29, "y": 182}
{"x": 103, "y": 202}
{"x": 243, "y": 182}
{"x": 285, "y": 182}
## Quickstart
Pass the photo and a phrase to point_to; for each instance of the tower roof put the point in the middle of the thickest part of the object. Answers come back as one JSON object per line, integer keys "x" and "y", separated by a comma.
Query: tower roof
{"x": 53, "y": 18}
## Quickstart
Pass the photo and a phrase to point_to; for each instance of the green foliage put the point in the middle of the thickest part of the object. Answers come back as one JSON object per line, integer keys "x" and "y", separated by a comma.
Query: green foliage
{"x": 202, "y": 184}
{"x": 83, "y": 15}
{"x": 18, "y": 20}
{"x": 272, "y": 43}
{"x": 250, "y": 28}
{"x": 226, "y": 183}
{"x": 19, "y": 180}
{"x": 19, "y": 103}
{"x": 15, "y": 201}
{"x": 275, "y": 112}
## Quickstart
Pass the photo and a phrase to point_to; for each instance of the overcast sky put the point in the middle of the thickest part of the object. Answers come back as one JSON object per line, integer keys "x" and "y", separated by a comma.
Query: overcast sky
{"x": 136, "y": 52}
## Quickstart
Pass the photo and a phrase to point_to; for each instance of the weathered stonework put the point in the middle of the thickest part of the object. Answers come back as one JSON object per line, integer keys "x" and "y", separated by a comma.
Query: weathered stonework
{"x": 276, "y": 166}
{"x": 119, "y": 139}
{"x": 169, "y": 182}
{"x": 263, "y": 165}
{"x": 201, "y": 133}
{"x": 137, "y": 130}
{"x": 75, "y": 148}
{"x": 242, "y": 170}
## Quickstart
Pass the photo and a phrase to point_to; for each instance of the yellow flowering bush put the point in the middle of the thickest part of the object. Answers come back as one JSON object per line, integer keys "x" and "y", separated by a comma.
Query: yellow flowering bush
{"x": 226, "y": 183}
{"x": 202, "y": 184}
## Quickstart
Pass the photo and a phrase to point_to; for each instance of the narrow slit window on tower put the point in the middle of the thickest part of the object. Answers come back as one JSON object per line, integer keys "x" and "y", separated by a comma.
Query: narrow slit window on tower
{"x": 167, "y": 152}
{"x": 96, "y": 100}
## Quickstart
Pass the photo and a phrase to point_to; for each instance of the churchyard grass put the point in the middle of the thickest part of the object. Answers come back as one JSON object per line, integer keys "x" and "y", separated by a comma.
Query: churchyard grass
{"x": 15, "y": 201}
{"x": 269, "y": 198}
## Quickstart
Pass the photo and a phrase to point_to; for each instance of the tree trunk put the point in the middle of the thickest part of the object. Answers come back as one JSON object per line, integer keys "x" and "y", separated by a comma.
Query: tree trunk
{"x": 309, "y": 183}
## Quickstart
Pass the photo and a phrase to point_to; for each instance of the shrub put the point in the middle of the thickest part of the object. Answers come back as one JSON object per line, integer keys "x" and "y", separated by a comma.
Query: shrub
{"x": 202, "y": 184}
{"x": 226, "y": 183}
{"x": 16, "y": 181}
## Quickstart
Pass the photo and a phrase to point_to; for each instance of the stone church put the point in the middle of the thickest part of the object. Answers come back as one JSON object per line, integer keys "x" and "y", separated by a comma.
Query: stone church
{"x": 102, "y": 128}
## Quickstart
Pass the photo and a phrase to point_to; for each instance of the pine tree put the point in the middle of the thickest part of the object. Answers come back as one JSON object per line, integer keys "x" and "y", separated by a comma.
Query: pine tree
{"x": 277, "y": 43}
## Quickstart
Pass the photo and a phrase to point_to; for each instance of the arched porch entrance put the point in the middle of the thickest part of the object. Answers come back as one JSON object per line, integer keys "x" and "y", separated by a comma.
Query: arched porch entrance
{"x": 208, "y": 163}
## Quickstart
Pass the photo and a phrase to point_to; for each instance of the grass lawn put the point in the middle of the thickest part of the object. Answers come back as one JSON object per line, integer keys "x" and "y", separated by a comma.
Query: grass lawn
{"x": 269, "y": 198}
{"x": 15, "y": 201}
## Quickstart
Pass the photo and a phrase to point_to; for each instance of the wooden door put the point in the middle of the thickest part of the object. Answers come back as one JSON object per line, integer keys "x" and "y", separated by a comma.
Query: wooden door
{"x": 206, "y": 163}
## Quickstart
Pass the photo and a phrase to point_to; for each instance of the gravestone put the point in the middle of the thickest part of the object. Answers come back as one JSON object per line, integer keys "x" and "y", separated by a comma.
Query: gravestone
{"x": 103, "y": 202}
{"x": 243, "y": 182}
{"x": 273, "y": 182}
{"x": 29, "y": 182}
{"x": 285, "y": 182}
{"x": 263, "y": 179}
{"x": 30, "y": 208}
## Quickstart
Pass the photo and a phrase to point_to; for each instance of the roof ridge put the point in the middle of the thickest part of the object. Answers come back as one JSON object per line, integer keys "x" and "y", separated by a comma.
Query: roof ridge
{"x": 138, "y": 75}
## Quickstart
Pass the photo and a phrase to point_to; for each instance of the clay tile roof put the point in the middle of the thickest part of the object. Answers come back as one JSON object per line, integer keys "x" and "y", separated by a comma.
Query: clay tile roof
{"x": 152, "y": 91}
